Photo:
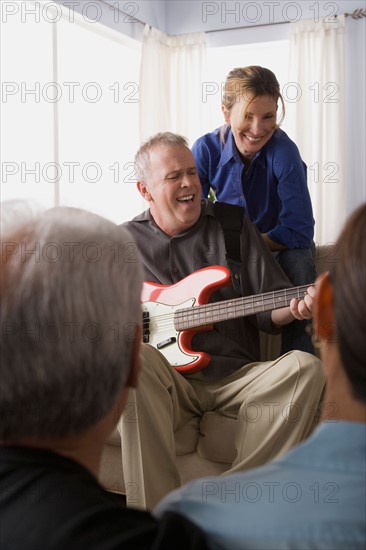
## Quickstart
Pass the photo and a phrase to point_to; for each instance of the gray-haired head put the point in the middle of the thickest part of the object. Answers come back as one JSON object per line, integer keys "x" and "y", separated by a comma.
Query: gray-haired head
{"x": 70, "y": 304}
{"x": 142, "y": 157}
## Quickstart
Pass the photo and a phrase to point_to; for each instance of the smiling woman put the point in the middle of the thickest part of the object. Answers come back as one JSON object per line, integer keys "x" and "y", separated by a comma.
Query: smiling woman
{"x": 251, "y": 162}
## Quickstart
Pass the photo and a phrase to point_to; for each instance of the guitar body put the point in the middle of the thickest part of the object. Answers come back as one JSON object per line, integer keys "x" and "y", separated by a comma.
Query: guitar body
{"x": 159, "y": 305}
{"x": 172, "y": 315}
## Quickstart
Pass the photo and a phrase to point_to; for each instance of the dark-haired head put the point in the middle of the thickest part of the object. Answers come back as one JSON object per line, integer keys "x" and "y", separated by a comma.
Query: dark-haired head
{"x": 340, "y": 312}
{"x": 349, "y": 283}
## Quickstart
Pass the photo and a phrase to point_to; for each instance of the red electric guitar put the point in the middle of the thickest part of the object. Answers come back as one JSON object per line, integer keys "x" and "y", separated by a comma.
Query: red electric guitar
{"x": 173, "y": 314}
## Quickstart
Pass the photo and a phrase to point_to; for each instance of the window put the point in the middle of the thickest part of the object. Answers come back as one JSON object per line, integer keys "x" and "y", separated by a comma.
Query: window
{"x": 27, "y": 117}
{"x": 70, "y": 114}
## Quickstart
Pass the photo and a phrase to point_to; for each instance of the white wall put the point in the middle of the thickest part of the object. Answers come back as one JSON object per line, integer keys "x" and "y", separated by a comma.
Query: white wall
{"x": 186, "y": 16}
{"x": 356, "y": 114}
{"x": 206, "y": 16}
{"x": 247, "y": 21}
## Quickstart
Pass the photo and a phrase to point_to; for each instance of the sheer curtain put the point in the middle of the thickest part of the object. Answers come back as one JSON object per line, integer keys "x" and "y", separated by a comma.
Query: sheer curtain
{"x": 315, "y": 100}
{"x": 171, "y": 83}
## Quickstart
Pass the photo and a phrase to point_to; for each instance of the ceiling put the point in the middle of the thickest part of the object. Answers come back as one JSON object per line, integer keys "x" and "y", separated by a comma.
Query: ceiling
{"x": 185, "y": 16}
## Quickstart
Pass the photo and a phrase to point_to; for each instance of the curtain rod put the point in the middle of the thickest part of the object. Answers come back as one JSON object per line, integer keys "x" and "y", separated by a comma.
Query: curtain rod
{"x": 248, "y": 27}
{"x": 357, "y": 14}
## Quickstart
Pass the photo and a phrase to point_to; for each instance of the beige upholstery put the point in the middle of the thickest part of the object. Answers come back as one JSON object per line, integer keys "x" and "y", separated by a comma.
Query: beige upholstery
{"x": 215, "y": 436}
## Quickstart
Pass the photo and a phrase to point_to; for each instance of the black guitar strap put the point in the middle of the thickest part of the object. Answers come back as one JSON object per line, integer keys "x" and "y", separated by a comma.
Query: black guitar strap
{"x": 230, "y": 217}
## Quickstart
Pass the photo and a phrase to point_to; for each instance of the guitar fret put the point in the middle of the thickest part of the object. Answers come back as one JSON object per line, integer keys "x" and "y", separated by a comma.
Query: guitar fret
{"x": 215, "y": 312}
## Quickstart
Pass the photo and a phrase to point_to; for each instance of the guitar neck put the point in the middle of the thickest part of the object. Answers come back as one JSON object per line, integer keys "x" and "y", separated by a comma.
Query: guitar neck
{"x": 208, "y": 314}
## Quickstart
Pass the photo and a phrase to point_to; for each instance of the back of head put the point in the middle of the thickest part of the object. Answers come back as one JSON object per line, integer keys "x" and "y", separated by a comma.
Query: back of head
{"x": 349, "y": 282}
{"x": 70, "y": 304}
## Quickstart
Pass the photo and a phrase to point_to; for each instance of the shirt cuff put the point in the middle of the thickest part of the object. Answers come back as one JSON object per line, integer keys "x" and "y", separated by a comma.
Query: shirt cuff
{"x": 283, "y": 236}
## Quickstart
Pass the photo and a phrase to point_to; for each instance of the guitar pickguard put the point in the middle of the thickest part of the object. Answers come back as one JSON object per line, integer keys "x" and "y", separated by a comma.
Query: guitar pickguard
{"x": 162, "y": 333}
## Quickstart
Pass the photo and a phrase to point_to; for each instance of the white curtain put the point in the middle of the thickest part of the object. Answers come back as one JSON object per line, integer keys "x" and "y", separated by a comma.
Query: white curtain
{"x": 315, "y": 102}
{"x": 172, "y": 69}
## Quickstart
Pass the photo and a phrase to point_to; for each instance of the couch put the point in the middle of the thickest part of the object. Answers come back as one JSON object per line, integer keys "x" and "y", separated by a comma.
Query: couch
{"x": 192, "y": 465}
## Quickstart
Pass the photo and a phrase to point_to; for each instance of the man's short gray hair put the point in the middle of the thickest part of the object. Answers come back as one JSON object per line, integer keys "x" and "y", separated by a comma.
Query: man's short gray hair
{"x": 142, "y": 157}
{"x": 70, "y": 304}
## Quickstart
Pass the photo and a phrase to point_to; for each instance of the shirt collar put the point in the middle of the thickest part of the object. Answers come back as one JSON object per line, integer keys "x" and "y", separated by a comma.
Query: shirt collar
{"x": 207, "y": 209}
{"x": 230, "y": 151}
{"x": 143, "y": 217}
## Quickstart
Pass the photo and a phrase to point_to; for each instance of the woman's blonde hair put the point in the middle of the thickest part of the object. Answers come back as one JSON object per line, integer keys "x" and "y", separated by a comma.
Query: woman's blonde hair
{"x": 251, "y": 82}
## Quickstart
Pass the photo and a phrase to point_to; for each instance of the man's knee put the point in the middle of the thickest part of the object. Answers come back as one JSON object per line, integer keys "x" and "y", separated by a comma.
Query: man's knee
{"x": 151, "y": 355}
{"x": 153, "y": 362}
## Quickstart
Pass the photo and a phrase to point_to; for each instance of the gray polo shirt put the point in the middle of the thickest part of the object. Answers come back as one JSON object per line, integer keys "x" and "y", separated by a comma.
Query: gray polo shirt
{"x": 167, "y": 260}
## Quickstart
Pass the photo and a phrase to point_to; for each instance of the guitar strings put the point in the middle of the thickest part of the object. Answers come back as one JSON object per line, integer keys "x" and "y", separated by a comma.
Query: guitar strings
{"x": 243, "y": 304}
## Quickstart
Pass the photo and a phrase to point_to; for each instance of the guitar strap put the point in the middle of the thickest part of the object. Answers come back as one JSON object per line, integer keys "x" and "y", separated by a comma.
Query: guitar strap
{"x": 230, "y": 217}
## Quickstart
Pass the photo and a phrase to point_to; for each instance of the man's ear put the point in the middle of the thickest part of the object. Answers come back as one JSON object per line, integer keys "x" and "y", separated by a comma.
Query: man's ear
{"x": 226, "y": 114}
{"x": 135, "y": 360}
{"x": 144, "y": 190}
{"x": 324, "y": 309}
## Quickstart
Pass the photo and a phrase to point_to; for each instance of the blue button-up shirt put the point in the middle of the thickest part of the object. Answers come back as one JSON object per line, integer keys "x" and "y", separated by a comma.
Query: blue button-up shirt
{"x": 313, "y": 497}
{"x": 273, "y": 190}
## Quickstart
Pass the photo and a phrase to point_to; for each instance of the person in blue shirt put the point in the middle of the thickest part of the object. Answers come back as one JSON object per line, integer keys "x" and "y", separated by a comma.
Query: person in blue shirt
{"x": 314, "y": 496}
{"x": 251, "y": 162}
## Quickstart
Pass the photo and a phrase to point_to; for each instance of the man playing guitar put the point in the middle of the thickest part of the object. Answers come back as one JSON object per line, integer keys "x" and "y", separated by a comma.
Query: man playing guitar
{"x": 176, "y": 237}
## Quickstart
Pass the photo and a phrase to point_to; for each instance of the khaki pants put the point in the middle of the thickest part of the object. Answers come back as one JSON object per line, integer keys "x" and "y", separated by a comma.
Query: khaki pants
{"x": 273, "y": 406}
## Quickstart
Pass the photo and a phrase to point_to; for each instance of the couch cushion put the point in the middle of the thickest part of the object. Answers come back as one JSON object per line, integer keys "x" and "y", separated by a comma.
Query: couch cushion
{"x": 217, "y": 437}
{"x": 325, "y": 257}
{"x": 111, "y": 472}
{"x": 193, "y": 466}
{"x": 186, "y": 438}
{"x": 114, "y": 438}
